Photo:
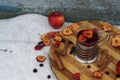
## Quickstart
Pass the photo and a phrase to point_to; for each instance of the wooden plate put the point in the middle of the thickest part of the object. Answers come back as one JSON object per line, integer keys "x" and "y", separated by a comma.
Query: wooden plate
{"x": 71, "y": 65}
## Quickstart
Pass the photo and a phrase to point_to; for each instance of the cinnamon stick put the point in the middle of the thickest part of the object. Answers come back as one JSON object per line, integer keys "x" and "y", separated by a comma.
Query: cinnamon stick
{"x": 104, "y": 59}
{"x": 65, "y": 49}
{"x": 58, "y": 60}
{"x": 104, "y": 56}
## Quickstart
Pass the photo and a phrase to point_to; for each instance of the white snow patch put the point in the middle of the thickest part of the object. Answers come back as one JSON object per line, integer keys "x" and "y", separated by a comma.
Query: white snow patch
{"x": 19, "y": 35}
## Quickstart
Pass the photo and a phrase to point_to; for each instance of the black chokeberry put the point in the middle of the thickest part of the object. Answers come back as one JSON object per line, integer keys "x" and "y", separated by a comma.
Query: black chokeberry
{"x": 107, "y": 72}
{"x": 41, "y": 65}
{"x": 71, "y": 52}
{"x": 5, "y": 50}
{"x": 117, "y": 75}
{"x": 70, "y": 42}
{"x": 34, "y": 70}
{"x": 99, "y": 65}
{"x": 73, "y": 49}
{"x": 11, "y": 51}
{"x": 41, "y": 43}
{"x": 48, "y": 76}
{"x": 63, "y": 40}
{"x": 88, "y": 66}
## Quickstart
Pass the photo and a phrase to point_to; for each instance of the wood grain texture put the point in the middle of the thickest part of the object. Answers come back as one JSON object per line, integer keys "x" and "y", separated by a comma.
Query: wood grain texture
{"x": 71, "y": 65}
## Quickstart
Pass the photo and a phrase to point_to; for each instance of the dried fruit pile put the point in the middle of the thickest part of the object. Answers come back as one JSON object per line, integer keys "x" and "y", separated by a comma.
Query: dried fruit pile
{"x": 46, "y": 39}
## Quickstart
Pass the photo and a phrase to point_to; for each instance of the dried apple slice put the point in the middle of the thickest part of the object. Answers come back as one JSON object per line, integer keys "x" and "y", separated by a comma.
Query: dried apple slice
{"x": 88, "y": 33}
{"x": 82, "y": 39}
{"x": 116, "y": 41}
{"x": 52, "y": 33}
{"x": 47, "y": 42}
{"x": 74, "y": 26}
{"x": 67, "y": 31}
{"x": 107, "y": 26}
{"x": 58, "y": 38}
{"x": 44, "y": 37}
{"x": 97, "y": 74}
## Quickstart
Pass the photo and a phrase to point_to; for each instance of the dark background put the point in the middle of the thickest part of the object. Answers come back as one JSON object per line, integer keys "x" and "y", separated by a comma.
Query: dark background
{"x": 73, "y": 10}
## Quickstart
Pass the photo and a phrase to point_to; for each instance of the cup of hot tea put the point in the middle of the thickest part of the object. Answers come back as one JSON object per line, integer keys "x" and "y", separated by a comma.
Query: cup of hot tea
{"x": 88, "y": 42}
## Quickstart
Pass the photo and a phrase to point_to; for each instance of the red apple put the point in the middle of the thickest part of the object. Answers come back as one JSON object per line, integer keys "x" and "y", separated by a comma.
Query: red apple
{"x": 56, "y": 19}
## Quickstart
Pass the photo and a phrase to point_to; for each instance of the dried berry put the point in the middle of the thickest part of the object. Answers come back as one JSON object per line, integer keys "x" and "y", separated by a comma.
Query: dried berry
{"x": 107, "y": 72}
{"x": 99, "y": 65}
{"x": 73, "y": 49}
{"x": 11, "y": 51}
{"x": 5, "y": 50}
{"x": 41, "y": 65}
{"x": 34, "y": 70}
{"x": 117, "y": 75}
{"x": 48, "y": 76}
{"x": 118, "y": 67}
{"x": 38, "y": 47}
{"x": 88, "y": 66}
{"x": 63, "y": 40}
{"x": 56, "y": 44}
{"x": 70, "y": 42}
{"x": 41, "y": 43}
{"x": 76, "y": 76}
{"x": 71, "y": 52}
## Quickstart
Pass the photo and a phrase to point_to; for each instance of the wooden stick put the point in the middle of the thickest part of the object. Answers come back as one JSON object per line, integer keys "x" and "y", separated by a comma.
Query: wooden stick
{"x": 104, "y": 60}
{"x": 104, "y": 55}
{"x": 58, "y": 60}
{"x": 65, "y": 49}
{"x": 106, "y": 63}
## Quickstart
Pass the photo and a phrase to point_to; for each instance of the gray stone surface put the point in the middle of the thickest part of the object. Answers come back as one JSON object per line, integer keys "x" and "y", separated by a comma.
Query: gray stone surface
{"x": 74, "y": 10}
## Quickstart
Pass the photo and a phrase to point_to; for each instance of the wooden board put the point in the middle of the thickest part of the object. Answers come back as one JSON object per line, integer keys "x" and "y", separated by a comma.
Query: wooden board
{"x": 71, "y": 65}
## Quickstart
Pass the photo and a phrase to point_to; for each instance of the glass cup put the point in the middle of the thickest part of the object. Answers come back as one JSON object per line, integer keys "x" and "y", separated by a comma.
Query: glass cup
{"x": 87, "y": 52}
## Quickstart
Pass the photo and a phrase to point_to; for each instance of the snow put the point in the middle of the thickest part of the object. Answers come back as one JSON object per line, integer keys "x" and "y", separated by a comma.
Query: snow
{"x": 18, "y": 36}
